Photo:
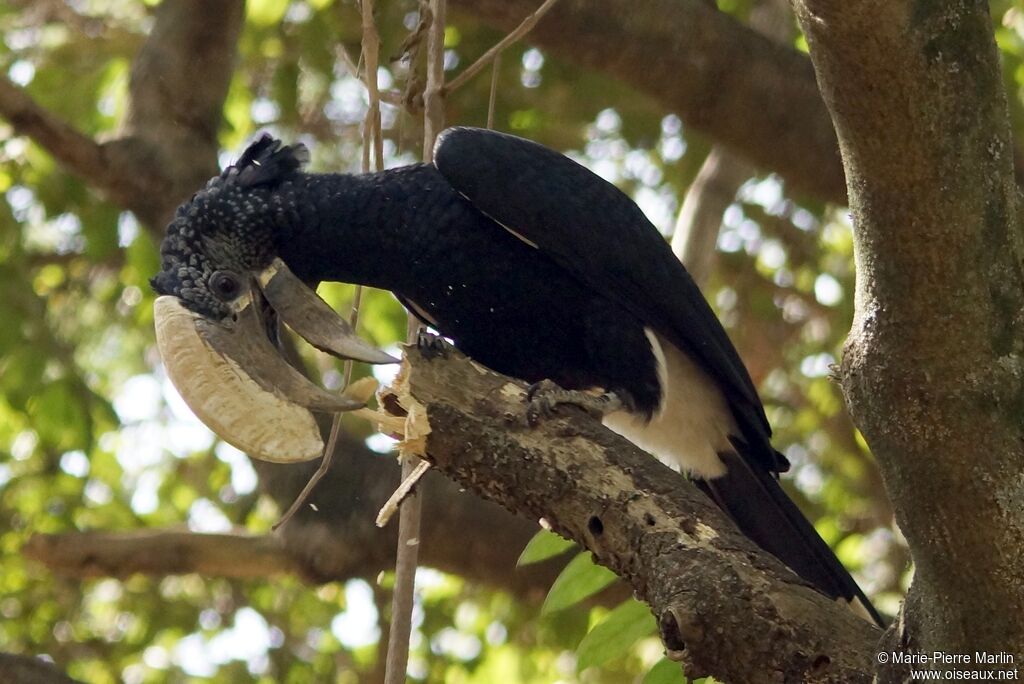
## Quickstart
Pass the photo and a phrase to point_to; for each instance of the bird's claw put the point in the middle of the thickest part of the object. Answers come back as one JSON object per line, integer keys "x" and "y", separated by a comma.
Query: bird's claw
{"x": 432, "y": 346}
{"x": 544, "y": 397}
{"x": 541, "y": 401}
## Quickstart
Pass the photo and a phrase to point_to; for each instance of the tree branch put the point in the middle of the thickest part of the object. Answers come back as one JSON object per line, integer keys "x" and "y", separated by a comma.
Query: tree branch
{"x": 332, "y": 539}
{"x": 493, "y": 53}
{"x": 21, "y": 669}
{"x": 933, "y": 371}
{"x": 695, "y": 239}
{"x": 103, "y": 165}
{"x": 77, "y": 151}
{"x": 168, "y": 144}
{"x": 160, "y": 552}
{"x": 724, "y": 607}
{"x": 755, "y": 96}
{"x": 173, "y": 114}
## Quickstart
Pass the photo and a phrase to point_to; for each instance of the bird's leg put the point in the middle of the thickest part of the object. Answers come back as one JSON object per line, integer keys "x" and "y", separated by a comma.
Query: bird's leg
{"x": 432, "y": 346}
{"x": 544, "y": 397}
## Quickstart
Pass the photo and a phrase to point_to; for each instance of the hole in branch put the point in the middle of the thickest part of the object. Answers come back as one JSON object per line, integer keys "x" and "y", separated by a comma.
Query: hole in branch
{"x": 668, "y": 626}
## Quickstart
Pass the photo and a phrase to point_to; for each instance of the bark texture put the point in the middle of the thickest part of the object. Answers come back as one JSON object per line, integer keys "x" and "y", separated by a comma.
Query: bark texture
{"x": 724, "y": 607}
{"x": 932, "y": 371}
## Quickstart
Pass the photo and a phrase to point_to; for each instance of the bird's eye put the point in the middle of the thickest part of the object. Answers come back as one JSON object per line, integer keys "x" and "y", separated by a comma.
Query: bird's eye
{"x": 225, "y": 285}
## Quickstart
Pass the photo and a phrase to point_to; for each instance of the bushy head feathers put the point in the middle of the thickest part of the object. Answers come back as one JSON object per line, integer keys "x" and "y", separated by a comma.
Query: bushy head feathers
{"x": 228, "y": 224}
{"x": 266, "y": 162}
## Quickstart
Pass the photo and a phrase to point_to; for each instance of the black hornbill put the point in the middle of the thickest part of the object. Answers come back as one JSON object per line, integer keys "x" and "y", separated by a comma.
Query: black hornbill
{"x": 530, "y": 263}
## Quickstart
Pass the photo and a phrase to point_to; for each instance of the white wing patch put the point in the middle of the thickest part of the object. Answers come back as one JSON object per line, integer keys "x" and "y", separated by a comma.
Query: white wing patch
{"x": 693, "y": 423}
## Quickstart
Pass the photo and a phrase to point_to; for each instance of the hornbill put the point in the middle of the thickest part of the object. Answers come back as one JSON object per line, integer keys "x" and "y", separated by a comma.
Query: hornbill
{"x": 527, "y": 261}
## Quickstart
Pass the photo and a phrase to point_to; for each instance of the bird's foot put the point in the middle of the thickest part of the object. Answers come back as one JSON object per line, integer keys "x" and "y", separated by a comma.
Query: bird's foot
{"x": 432, "y": 346}
{"x": 544, "y": 397}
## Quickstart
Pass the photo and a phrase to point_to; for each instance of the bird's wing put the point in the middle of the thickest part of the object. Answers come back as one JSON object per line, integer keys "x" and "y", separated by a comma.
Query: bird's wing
{"x": 593, "y": 230}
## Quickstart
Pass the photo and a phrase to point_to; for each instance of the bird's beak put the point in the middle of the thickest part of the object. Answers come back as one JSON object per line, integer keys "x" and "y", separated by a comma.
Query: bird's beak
{"x": 311, "y": 317}
{"x": 235, "y": 380}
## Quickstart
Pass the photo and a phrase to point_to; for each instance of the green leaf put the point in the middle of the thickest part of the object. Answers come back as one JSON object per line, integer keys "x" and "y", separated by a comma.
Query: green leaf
{"x": 544, "y": 545}
{"x": 578, "y": 580}
{"x": 613, "y": 636}
{"x": 665, "y": 671}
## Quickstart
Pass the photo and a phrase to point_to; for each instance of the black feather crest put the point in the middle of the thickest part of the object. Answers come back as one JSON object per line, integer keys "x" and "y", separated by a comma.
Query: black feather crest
{"x": 266, "y": 162}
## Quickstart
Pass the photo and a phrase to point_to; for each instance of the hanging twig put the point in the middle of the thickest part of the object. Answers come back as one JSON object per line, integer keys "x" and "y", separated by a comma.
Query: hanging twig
{"x": 495, "y": 70}
{"x": 325, "y": 465}
{"x": 412, "y": 93}
{"x": 350, "y": 64}
{"x": 433, "y": 94}
{"x": 390, "y": 507}
{"x": 410, "y": 508}
{"x": 410, "y": 47}
{"x": 391, "y": 97}
{"x": 406, "y": 560}
{"x": 372, "y": 140}
{"x": 361, "y": 391}
{"x": 371, "y": 126}
{"x": 372, "y": 134}
{"x": 489, "y": 56}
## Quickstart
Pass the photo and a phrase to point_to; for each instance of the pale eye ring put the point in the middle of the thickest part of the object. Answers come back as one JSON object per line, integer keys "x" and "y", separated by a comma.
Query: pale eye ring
{"x": 225, "y": 285}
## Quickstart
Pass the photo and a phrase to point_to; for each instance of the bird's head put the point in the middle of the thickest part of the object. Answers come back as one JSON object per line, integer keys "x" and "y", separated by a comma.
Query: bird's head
{"x": 222, "y": 238}
{"x": 222, "y": 288}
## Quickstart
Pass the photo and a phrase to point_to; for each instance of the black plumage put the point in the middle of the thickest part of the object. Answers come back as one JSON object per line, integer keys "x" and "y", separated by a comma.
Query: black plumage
{"x": 533, "y": 266}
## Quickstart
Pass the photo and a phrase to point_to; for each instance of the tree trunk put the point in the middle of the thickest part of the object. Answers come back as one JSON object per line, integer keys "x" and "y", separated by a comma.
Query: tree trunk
{"x": 932, "y": 371}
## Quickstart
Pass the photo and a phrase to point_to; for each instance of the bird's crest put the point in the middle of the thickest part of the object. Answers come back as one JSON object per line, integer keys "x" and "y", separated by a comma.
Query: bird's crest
{"x": 266, "y": 162}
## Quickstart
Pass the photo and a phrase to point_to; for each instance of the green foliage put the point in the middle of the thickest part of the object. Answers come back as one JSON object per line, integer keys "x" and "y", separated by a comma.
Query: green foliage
{"x": 664, "y": 672}
{"x": 543, "y": 546}
{"x": 579, "y": 580}
{"x": 615, "y": 634}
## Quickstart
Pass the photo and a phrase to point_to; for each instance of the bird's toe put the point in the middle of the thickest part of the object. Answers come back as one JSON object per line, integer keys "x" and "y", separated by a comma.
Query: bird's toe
{"x": 543, "y": 399}
{"x": 432, "y": 346}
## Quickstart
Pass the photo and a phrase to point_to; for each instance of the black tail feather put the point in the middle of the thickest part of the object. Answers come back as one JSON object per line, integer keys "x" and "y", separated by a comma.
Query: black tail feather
{"x": 761, "y": 509}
